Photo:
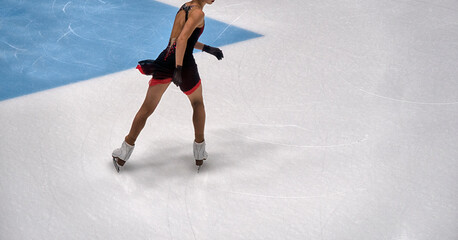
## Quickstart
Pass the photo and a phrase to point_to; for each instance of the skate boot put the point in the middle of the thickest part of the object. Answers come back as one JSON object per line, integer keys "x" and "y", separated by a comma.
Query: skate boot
{"x": 200, "y": 154}
{"x": 121, "y": 155}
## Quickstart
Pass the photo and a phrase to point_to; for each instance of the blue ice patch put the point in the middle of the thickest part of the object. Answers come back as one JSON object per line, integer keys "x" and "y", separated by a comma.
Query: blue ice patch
{"x": 46, "y": 44}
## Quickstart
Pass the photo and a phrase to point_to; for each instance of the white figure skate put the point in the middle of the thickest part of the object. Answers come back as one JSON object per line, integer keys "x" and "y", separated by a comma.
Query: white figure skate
{"x": 122, "y": 154}
{"x": 200, "y": 154}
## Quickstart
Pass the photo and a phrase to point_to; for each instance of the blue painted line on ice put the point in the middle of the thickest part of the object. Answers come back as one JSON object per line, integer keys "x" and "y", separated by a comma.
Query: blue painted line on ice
{"x": 46, "y": 44}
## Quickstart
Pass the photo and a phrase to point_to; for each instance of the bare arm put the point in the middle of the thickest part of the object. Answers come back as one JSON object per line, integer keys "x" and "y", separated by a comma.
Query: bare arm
{"x": 199, "y": 46}
{"x": 195, "y": 18}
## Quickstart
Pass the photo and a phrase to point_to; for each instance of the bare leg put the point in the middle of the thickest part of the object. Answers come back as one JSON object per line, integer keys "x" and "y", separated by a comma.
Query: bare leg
{"x": 153, "y": 96}
{"x": 198, "y": 116}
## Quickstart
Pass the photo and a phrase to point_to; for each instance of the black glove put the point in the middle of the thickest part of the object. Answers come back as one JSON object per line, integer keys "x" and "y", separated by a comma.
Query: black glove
{"x": 177, "y": 76}
{"x": 213, "y": 51}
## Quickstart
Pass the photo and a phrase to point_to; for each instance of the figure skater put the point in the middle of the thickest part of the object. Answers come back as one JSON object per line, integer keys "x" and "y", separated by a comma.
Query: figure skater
{"x": 175, "y": 64}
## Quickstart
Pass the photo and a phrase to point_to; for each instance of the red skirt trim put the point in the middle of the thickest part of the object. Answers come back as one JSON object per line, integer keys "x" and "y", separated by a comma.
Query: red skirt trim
{"x": 192, "y": 89}
{"x": 153, "y": 81}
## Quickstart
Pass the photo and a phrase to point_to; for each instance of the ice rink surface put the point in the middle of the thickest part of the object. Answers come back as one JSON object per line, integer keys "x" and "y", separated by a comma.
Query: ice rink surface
{"x": 340, "y": 122}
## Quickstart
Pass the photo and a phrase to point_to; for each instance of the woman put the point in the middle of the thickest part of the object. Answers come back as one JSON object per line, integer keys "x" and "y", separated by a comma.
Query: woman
{"x": 175, "y": 64}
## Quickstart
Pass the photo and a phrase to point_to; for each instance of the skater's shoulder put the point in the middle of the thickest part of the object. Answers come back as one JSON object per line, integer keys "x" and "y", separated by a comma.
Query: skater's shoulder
{"x": 198, "y": 12}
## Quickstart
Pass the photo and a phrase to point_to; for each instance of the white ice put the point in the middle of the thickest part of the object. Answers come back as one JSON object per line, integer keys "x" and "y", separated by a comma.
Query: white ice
{"x": 340, "y": 123}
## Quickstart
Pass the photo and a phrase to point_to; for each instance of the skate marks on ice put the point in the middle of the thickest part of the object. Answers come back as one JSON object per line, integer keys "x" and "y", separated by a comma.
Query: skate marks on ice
{"x": 399, "y": 100}
{"x": 292, "y": 133}
{"x": 278, "y": 161}
{"x": 408, "y": 57}
{"x": 448, "y": 96}
{"x": 229, "y": 153}
{"x": 327, "y": 195}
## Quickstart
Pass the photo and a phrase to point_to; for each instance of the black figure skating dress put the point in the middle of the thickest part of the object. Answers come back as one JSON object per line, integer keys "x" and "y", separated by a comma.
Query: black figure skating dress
{"x": 163, "y": 67}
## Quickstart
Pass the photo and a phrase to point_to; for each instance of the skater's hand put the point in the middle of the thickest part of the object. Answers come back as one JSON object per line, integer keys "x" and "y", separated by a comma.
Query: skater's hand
{"x": 213, "y": 51}
{"x": 177, "y": 76}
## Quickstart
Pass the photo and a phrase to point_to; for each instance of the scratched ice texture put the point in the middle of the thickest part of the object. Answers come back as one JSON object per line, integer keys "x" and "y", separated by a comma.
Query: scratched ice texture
{"x": 341, "y": 122}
